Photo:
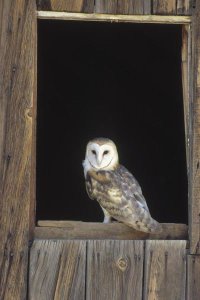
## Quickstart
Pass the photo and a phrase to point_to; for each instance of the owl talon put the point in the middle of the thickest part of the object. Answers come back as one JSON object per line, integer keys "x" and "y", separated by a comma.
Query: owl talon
{"x": 107, "y": 219}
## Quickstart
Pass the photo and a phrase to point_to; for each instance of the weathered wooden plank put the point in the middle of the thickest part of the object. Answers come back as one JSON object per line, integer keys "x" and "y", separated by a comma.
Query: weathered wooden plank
{"x": 127, "y": 7}
{"x": 106, "y": 6}
{"x": 141, "y": 7}
{"x": 186, "y": 71}
{"x": 147, "y": 7}
{"x": 57, "y": 270}
{"x": 114, "y": 270}
{"x": 164, "y": 7}
{"x": 124, "y": 7}
{"x": 119, "y": 231}
{"x": 52, "y": 15}
{"x": 17, "y": 76}
{"x": 165, "y": 270}
{"x": 184, "y": 7}
{"x": 193, "y": 277}
{"x": 134, "y": 7}
{"x": 194, "y": 176}
{"x": 86, "y": 6}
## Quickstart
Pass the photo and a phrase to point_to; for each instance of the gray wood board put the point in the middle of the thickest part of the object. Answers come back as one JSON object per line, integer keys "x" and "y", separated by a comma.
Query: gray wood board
{"x": 193, "y": 277}
{"x": 114, "y": 270}
{"x": 17, "y": 87}
{"x": 118, "y": 231}
{"x": 165, "y": 270}
{"x": 57, "y": 270}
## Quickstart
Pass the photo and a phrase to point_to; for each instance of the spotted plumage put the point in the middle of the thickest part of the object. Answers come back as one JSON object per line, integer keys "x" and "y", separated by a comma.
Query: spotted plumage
{"x": 115, "y": 188}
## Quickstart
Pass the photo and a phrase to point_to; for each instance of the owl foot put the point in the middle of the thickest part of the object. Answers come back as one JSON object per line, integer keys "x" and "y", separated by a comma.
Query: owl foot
{"x": 107, "y": 219}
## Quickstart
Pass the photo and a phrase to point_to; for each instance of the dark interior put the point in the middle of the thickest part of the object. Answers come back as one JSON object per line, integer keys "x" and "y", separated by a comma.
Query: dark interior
{"x": 121, "y": 81}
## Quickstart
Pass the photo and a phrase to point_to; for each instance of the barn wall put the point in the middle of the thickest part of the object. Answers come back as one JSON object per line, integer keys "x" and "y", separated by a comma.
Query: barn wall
{"x": 194, "y": 174}
{"x": 108, "y": 269}
{"x": 161, "y": 265}
{"x": 17, "y": 82}
{"x": 128, "y": 7}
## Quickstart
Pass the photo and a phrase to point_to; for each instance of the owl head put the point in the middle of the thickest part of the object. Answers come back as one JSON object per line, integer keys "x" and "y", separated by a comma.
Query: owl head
{"x": 101, "y": 154}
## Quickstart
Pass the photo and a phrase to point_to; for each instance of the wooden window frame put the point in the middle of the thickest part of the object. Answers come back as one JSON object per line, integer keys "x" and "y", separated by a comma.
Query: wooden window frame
{"x": 18, "y": 60}
{"x": 86, "y": 230}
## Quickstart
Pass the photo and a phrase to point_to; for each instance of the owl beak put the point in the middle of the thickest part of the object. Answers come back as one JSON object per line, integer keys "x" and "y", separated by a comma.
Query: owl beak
{"x": 99, "y": 159}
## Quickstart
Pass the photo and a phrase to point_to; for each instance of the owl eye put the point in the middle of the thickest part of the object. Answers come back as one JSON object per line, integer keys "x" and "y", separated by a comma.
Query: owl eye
{"x": 94, "y": 152}
{"x": 105, "y": 152}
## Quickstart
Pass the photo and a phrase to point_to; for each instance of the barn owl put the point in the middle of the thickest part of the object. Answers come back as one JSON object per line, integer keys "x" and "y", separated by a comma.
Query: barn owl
{"x": 114, "y": 187}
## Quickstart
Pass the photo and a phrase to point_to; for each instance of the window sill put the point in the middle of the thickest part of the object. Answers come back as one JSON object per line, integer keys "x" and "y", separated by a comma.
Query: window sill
{"x": 100, "y": 231}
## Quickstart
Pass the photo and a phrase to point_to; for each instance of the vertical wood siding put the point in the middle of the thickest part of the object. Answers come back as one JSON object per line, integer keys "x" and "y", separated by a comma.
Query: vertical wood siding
{"x": 163, "y": 7}
{"x": 193, "y": 277}
{"x": 165, "y": 270}
{"x": 194, "y": 179}
{"x": 86, "y": 6}
{"x": 113, "y": 269}
{"x": 184, "y": 7}
{"x": 127, "y": 7}
{"x": 17, "y": 79}
{"x": 57, "y": 270}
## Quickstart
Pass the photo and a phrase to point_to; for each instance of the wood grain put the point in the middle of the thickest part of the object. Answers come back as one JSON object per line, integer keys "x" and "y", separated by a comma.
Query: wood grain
{"x": 186, "y": 72}
{"x": 57, "y": 270}
{"x": 134, "y": 7}
{"x": 164, "y": 7}
{"x": 165, "y": 270}
{"x": 106, "y": 6}
{"x": 17, "y": 82}
{"x": 66, "y": 5}
{"x": 87, "y": 230}
{"x": 127, "y": 7}
{"x": 194, "y": 176}
{"x": 53, "y": 15}
{"x": 114, "y": 270}
{"x": 193, "y": 277}
{"x": 184, "y": 7}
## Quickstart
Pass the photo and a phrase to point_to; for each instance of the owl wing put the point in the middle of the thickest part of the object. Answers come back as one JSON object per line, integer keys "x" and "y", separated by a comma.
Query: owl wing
{"x": 133, "y": 207}
{"x": 89, "y": 189}
{"x": 131, "y": 187}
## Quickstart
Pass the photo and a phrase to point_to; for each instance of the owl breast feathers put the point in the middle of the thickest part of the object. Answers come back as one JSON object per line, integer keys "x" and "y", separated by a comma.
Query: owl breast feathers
{"x": 115, "y": 188}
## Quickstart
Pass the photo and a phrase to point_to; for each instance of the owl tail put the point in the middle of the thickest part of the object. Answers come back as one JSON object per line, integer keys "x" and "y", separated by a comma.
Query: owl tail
{"x": 154, "y": 226}
{"x": 149, "y": 225}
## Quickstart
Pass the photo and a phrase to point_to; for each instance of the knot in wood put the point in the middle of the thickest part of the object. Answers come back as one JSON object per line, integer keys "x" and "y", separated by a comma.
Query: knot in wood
{"x": 122, "y": 264}
{"x": 29, "y": 112}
